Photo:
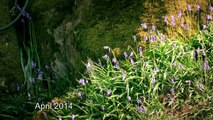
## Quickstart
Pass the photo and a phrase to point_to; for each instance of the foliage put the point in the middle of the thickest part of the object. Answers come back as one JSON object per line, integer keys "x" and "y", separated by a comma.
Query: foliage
{"x": 167, "y": 80}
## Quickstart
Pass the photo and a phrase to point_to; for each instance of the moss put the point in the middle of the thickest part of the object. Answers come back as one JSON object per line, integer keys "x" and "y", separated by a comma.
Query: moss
{"x": 111, "y": 23}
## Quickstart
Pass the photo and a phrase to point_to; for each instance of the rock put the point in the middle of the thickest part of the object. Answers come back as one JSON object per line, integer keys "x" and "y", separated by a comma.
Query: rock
{"x": 10, "y": 67}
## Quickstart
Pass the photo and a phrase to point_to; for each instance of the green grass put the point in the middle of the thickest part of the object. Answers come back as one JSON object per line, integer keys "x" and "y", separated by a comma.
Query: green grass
{"x": 161, "y": 69}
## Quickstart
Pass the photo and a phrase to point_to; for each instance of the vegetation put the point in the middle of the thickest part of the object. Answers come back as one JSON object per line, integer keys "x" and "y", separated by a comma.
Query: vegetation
{"x": 156, "y": 73}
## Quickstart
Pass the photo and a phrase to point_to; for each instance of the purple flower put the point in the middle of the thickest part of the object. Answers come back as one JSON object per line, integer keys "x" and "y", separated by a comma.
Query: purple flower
{"x": 139, "y": 101}
{"x": 179, "y": 14}
{"x": 131, "y": 54}
{"x": 175, "y": 46}
{"x": 40, "y": 75}
{"x": 79, "y": 94}
{"x": 210, "y": 8}
{"x": 189, "y": 8}
{"x": 198, "y": 7}
{"x": 145, "y": 37}
{"x": 208, "y": 17}
{"x": 172, "y": 81}
{"x": 129, "y": 98}
{"x": 174, "y": 64}
{"x": 117, "y": 66}
{"x": 156, "y": 70}
{"x": 165, "y": 20}
{"x": 32, "y": 80}
{"x": 123, "y": 75}
{"x": 172, "y": 91}
{"x": 102, "y": 107}
{"x": 73, "y": 117}
{"x": 141, "y": 110}
{"x": 173, "y": 20}
{"x": 134, "y": 38}
{"x": 132, "y": 61}
{"x": 144, "y": 25}
{"x": 106, "y": 57}
{"x": 82, "y": 81}
{"x": 125, "y": 54}
{"x": 153, "y": 27}
{"x": 205, "y": 65}
{"x": 108, "y": 92}
{"x": 152, "y": 38}
{"x": 203, "y": 52}
{"x": 33, "y": 64}
{"x": 180, "y": 66}
{"x": 114, "y": 60}
{"x": 163, "y": 39}
{"x": 187, "y": 26}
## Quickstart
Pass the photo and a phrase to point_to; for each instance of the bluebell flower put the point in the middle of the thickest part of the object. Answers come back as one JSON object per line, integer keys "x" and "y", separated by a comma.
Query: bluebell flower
{"x": 32, "y": 80}
{"x": 208, "y": 18}
{"x": 139, "y": 101}
{"x": 187, "y": 26}
{"x": 108, "y": 92}
{"x": 132, "y": 61}
{"x": 123, "y": 75}
{"x": 173, "y": 20}
{"x": 172, "y": 81}
{"x": 179, "y": 14}
{"x": 180, "y": 66}
{"x": 106, "y": 57}
{"x": 144, "y": 25}
{"x": 203, "y": 52}
{"x": 40, "y": 75}
{"x": 140, "y": 51}
{"x": 73, "y": 117}
{"x": 206, "y": 65}
{"x": 152, "y": 38}
{"x": 172, "y": 91}
{"x": 125, "y": 54}
{"x": 33, "y": 64}
{"x": 211, "y": 9}
{"x": 140, "y": 110}
{"x": 198, "y": 7}
{"x": 189, "y": 8}
{"x": 153, "y": 27}
{"x": 99, "y": 62}
{"x": 114, "y": 60}
{"x": 131, "y": 54}
{"x": 145, "y": 37}
{"x": 79, "y": 94}
{"x": 165, "y": 20}
{"x": 82, "y": 81}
